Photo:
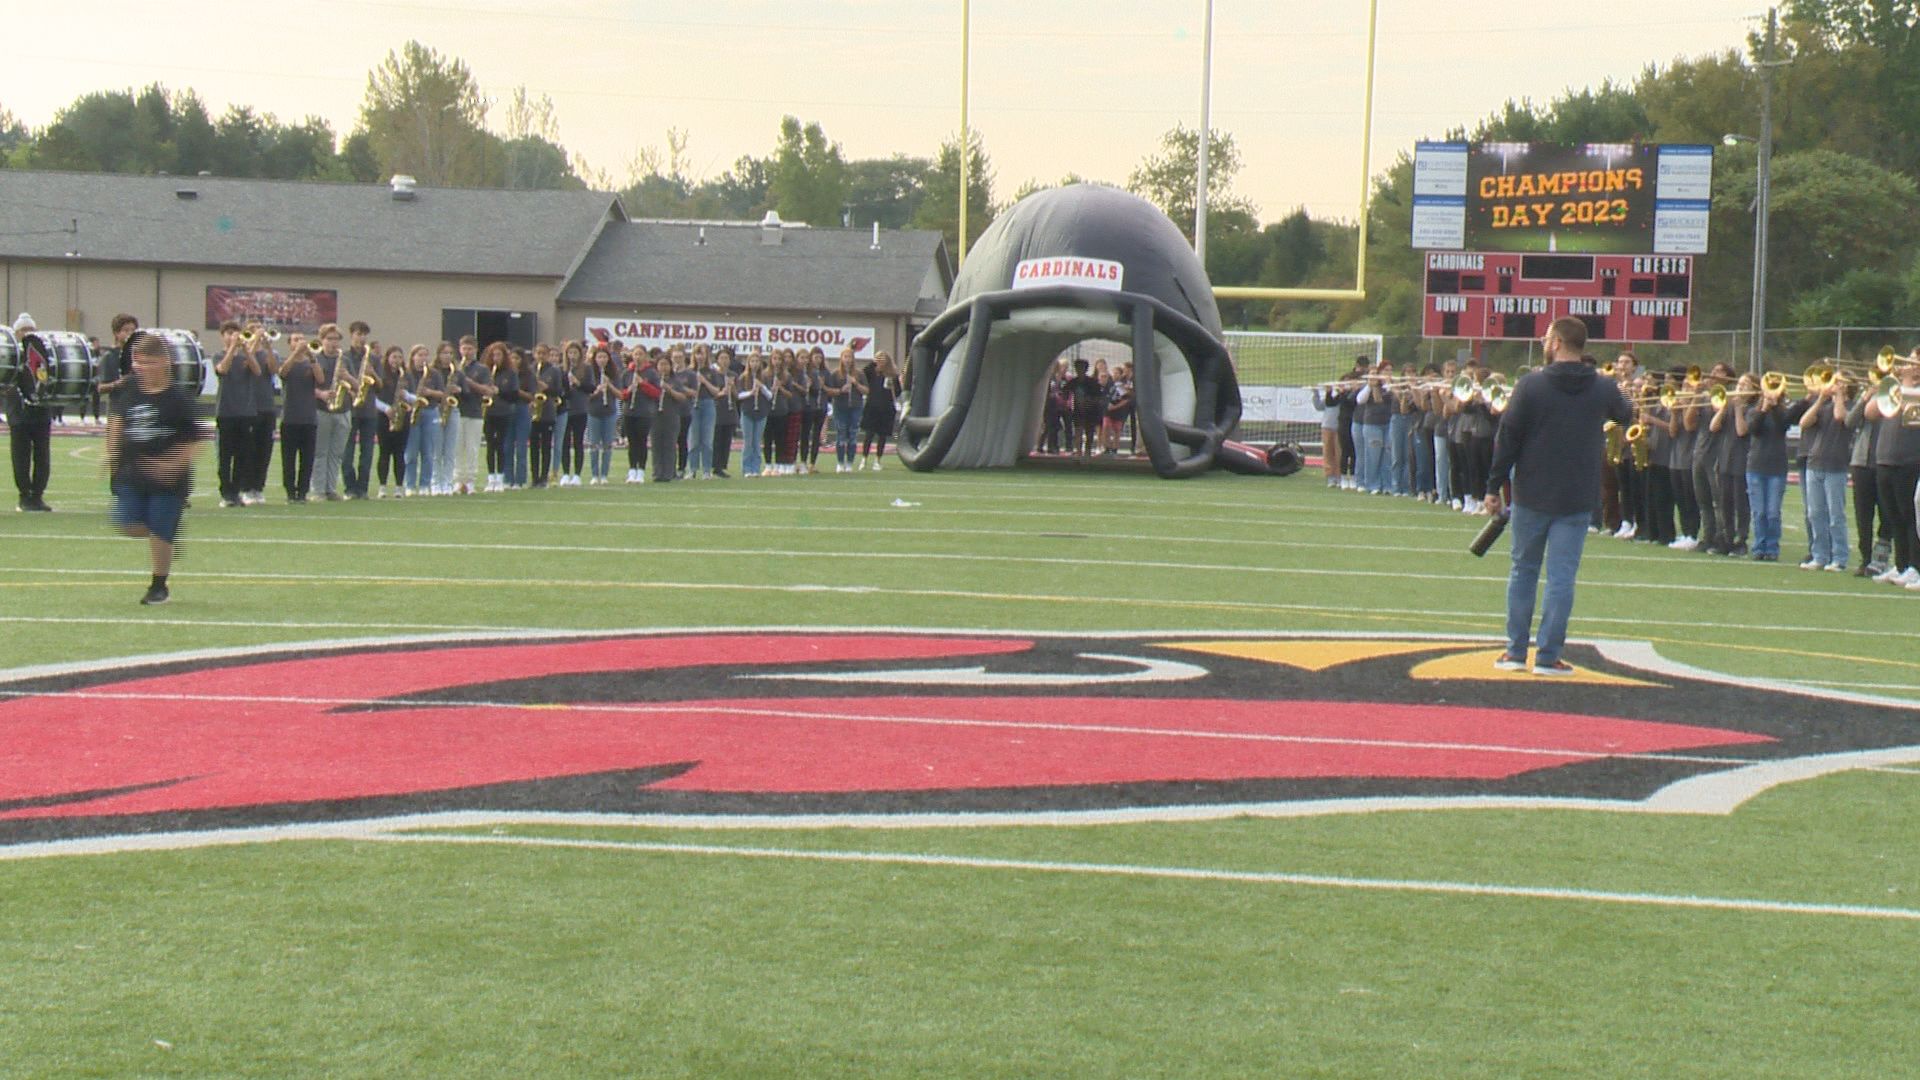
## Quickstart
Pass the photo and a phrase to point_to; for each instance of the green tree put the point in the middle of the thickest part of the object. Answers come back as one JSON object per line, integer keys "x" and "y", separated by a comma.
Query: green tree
{"x": 809, "y": 181}
{"x": 531, "y": 155}
{"x": 940, "y": 208}
{"x": 1168, "y": 178}
{"x": 424, "y": 116}
{"x": 887, "y": 190}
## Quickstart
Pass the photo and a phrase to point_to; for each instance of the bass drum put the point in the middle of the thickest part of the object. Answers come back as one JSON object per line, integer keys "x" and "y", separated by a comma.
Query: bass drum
{"x": 186, "y": 357}
{"x": 9, "y": 359}
{"x": 65, "y": 363}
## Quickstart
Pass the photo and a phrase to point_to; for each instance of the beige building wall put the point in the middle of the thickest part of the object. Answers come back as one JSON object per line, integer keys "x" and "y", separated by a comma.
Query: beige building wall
{"x": 401, "y": 308}
{"x": 890, "y": 331}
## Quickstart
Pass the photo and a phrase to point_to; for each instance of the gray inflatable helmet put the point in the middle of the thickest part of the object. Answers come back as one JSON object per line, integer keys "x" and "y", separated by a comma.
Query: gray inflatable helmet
{"x": 1059, "y": 267}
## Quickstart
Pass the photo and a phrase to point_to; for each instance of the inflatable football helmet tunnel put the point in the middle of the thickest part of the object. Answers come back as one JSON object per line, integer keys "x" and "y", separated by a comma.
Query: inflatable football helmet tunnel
{"x": 1063, "y": 266}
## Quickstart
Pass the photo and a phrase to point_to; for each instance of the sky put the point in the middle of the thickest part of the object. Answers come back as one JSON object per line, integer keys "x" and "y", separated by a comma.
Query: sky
{"x": 1057, "y": 86}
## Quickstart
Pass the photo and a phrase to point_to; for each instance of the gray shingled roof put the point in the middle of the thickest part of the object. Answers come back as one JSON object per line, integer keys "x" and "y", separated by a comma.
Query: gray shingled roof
{"x": 662, "y": 263}
{"x": 295, "y": 225}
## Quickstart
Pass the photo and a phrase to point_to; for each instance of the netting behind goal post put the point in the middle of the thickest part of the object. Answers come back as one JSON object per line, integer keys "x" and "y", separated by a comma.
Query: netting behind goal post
{"x": 1278, "y": 372}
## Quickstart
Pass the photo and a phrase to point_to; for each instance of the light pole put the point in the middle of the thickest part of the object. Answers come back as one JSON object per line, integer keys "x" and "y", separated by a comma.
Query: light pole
{"x": 1756, "y": 333}
{"x": 1206, "y": 124}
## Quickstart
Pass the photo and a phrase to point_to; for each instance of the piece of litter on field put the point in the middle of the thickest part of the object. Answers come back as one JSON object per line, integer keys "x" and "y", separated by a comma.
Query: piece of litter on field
{"x": 163, "y": 1044}
{"x": 1355, "y": 990}
{"x": 904, "y": 504}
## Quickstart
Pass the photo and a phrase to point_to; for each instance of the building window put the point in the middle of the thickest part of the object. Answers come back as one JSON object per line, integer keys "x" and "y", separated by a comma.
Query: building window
{"x": 518, "y": 328}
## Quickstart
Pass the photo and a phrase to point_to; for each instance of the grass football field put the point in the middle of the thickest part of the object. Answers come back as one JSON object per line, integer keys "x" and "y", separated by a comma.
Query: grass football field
{"x": 1529, "y": 937}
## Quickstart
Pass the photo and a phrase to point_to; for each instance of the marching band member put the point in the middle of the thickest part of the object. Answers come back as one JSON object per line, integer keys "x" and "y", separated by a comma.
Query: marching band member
{"x": 676, "y": 396}
{"x": 700, "y": 422}
{"x": 497, "y": 410}
{"x": 1828, "y": 444}
{"x": 234, "y": 412}
{"x": 363, "y": 426}
{"x": 117, "y": 379}
{"x": 300, "y": 418}
{"x": 475, "y": 384}
{"x": 643, "y": 408}
{"x": 446, "y": 367}
{"x": 1475, "y": 424}
{"x": 1715, "y": 512}
{"x": 29, "y": 428}
{"x": 603, "y": 405}
{"x": 752, "y": 397}
{"x": 1762, "y": 422}
{"x": 1897, "y": 471}
{"x": 726, "y": 410}
{"x": 266, "y": 414}
{"x": 519, "y": 419}
{"x": 333, "y": 389}
{"x": 393, "y": 433}
{"x": 846, "y": 395}
{"x": 1731, "y": 481}
{"x": 573, "y": 456}
{"x": 425, "y": 388}
{"x": 1680, "y": 465}
{"x": 814, "y": 423}
{"x": 1876, "y": 547}
{"x": 550, "y": 395}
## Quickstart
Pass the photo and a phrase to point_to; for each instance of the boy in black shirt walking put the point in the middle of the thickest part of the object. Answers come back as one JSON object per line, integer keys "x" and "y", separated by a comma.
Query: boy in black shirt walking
{"x": 149, "y": 457}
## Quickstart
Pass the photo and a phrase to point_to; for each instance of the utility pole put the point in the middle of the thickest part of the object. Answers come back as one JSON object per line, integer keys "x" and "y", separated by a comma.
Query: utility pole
{"x": 1765, "y": 64}
{"x": 1206, "y": 125}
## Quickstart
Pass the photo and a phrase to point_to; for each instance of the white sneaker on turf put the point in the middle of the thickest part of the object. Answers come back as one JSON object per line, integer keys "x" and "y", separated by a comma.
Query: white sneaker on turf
{"x": 1909, "y": 577}
{"x": 1887, "y": 575}
{"x": 876, "y": 464}
{"x": 1812, "y": 564}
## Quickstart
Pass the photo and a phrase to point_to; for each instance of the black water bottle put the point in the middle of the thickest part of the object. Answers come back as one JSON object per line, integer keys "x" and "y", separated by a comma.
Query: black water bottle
{"x": 1489, "y": 533}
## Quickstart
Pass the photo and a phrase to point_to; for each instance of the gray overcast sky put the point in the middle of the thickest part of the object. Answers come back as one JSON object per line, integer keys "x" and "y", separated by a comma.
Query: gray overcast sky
{"x": 1058, "y": 86}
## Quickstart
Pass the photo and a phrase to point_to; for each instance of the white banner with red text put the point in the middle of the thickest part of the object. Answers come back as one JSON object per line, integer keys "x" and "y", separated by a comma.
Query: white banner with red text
{"x": 742, "y": 337}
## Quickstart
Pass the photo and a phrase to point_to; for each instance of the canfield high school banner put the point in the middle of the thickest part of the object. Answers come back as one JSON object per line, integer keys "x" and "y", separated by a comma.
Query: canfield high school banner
{"x": 647, "y": 333}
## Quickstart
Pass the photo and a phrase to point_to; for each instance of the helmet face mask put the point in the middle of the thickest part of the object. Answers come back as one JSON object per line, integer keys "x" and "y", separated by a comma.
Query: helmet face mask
{"x": 1061, "y": 267}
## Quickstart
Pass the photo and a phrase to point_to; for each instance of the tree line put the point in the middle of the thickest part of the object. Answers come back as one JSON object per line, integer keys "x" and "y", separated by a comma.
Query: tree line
{"x": 1845, "y": 236}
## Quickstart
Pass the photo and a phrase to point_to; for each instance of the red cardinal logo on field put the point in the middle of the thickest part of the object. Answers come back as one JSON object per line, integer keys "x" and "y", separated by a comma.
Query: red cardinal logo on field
{"x": 846, "y": 723}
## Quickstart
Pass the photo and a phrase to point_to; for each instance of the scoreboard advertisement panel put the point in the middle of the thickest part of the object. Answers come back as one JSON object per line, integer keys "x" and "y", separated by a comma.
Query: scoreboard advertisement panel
{"x": 1512, "y": 296}
{"x": 1592, "y": 198}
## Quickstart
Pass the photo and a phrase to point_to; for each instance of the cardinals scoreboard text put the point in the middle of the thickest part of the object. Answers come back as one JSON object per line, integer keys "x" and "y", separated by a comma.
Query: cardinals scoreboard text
{"x": 1514, "y": 296}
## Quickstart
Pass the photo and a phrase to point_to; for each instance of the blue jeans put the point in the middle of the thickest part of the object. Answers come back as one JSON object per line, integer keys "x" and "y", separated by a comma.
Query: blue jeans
{"x": 1372, "y": 472}
{"x": 1556, "y": 540}
{"x": 559, "y": 436}
{"x": 1442, "y": 467}
{"x": 1399, "y": 453}
{"x": 1764, "y": 494}
{"x": 423, "y": 449}
{"x": 519, "y": 434}
{"x": 752, "y": 430}
{"x": 1422, "y": 463}
{"x": 846, "y": 433}
{"x": 700, "y": 439}
{"x": 600, "y": 445}
{"x": 1826, "y": 495}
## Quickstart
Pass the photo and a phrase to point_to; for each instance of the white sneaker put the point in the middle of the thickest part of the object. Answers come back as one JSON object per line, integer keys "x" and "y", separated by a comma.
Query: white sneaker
{"x": 1913, "y": 585}
{"x": 876, "y": 464}
{"x": 1812, "y": 564}
{"x": 1455, "y": 503}
{"x": 1887, "y": 575}
{"x": 1838, "y": 568}
{"x": 639, "y": 476}
{"x": 1910, "y": 578}
{"x": 863, "y": 463}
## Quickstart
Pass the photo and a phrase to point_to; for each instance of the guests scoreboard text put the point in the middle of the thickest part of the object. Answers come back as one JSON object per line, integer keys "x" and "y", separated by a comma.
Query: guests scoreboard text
{"x": 1514, "y": 296}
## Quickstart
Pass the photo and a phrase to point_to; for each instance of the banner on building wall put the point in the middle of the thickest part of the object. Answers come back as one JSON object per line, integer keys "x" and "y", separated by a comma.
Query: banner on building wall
{"x": 303, "y": 310}
{"x": 647, "y": 333}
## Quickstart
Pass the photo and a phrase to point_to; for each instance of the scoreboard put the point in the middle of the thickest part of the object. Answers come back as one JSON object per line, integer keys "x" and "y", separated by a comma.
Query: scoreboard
{"x": 1515, "y": 296}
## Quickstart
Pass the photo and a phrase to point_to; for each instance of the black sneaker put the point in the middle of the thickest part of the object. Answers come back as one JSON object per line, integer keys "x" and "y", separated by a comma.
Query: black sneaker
{"x": 155, "y": 595}
{"x": 39, "y": 506}
{"x": 1737, "y": 550}
{"x": 722, "y": 474}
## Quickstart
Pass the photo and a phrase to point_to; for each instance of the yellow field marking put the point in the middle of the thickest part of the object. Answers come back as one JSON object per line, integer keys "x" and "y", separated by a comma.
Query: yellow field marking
{"x": 1479, "y": 666}
{"x": 1308, "y": 655}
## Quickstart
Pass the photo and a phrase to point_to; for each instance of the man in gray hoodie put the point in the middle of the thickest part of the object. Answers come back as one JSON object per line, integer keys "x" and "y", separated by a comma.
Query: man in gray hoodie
{"x": 1551, "y": 445}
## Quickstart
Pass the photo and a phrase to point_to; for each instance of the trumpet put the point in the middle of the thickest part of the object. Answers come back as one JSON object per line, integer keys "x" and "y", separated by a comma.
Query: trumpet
{"x": 1889, "y": 396}
{"x": 1497, "y": 397}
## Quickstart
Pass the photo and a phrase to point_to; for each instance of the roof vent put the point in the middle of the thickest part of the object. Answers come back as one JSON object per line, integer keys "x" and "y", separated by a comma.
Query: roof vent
{"x": 770, "y": 230}
{"x": 185, "y": 193}
{"x": 403, "y": 187}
